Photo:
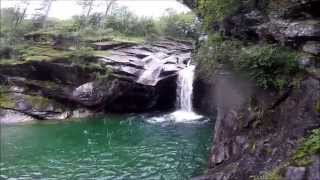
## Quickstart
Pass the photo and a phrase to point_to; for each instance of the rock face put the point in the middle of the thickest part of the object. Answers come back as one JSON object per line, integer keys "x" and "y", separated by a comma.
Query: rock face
{"x": 256, "y": 130}
{"x": 149, "y": 64}
{"x": 61, "y": 89}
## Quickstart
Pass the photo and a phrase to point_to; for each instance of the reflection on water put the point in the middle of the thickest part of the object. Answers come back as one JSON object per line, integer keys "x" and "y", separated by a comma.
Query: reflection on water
{"x": 115, "y": 147}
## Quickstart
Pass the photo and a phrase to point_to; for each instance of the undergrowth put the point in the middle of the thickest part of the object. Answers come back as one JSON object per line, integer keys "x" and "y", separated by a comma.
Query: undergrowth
{"x": 270, "y": 66}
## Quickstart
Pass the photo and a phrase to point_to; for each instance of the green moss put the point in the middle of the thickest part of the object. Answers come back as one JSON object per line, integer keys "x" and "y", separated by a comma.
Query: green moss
{"x": 129, "y": 39}
{"x": 5, "y": 100}
{"x": 10, "y": 61}
{"x": 43, "y": 53}
{"x": 38, "y": 101}
{"x": 101, "y": 53}
{"x": 310, "y": 146}
{"x": 273, "y": 175}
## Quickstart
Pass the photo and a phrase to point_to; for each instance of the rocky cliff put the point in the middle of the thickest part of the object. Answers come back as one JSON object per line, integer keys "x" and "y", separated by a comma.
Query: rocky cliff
{"x": 47, "y": 86}
{"x": 260, "y": 132}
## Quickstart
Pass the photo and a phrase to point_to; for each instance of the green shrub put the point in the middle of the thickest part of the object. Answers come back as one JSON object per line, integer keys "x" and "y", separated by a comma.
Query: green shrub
{"x": 215, "y": 10}
{"x": 82, "y": 55}
{"x": 178, "y": 25}
{"x": 214, "y": 52}
{"x": 270, "y": 66}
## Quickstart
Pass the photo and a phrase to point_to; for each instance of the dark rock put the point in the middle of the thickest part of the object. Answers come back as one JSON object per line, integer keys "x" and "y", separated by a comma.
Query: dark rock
{"x": 60, "y": 89}
{"x": 48, "y": 71}
{"x": 312, "y": 47}
{"x": 314, "y": 170}
{"x": 262, "y": 139}
{"x": 295, "y": 173}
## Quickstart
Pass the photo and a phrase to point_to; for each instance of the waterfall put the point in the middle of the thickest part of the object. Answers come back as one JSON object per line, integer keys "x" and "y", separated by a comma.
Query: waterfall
{"x": 184, "y": 112}
{"x": 185, "y": 88}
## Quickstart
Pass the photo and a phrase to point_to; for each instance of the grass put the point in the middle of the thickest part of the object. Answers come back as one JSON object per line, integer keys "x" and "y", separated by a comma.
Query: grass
{"x": 43, "y": 53}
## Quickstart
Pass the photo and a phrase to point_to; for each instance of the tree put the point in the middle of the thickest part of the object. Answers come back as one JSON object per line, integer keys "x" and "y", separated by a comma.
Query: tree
{"x": 41, "y": 15}
{"x": 87, "y": 7}
{"x": 109, "y": 4}
{"x": 21, "y": 10}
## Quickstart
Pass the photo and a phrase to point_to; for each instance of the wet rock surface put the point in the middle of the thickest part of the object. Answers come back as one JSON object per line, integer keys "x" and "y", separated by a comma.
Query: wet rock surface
{"x": 258, "y": 130}
{"x": 154, "y": 62}
{"x": 252, "y": 134}
{"x": 137, "y": 78}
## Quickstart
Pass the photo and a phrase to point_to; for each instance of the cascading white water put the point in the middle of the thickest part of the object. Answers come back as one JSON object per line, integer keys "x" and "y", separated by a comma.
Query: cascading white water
{"x": 184, "y": 112}
{"x": 185, "y": 88}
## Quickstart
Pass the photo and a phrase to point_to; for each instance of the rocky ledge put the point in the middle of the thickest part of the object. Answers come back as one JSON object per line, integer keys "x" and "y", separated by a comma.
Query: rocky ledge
{"x": 121, "y": 77}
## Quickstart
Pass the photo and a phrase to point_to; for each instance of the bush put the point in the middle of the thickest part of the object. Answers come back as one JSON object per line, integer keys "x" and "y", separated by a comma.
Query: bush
{"x": 215, "y": 10}
{"x": 183, "y": 25}
{"x": 270, "y": 66}
{"x": 82, "y": 55}
{"x": 214, "y": 52}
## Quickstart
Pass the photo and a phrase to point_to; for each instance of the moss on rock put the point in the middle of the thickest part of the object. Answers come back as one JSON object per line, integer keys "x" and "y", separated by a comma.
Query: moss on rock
{"x": 5, "y": 100}
{"x": 310, "y": 146}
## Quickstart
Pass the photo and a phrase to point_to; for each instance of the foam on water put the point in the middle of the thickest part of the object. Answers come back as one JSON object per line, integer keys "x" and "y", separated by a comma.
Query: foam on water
{"x": 184, "y": 113}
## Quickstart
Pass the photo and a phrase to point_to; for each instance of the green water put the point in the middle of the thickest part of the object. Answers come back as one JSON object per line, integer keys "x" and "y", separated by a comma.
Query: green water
{"x": 112, "y": 147}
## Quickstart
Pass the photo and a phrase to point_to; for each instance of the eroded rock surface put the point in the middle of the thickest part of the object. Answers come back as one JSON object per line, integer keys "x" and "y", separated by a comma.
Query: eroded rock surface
{"x": 126, "y": 78}
{"x": 256, "y": 130}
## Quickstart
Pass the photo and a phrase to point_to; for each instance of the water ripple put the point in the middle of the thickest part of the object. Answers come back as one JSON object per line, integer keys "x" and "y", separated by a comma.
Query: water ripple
{"x": 129, "y": 149}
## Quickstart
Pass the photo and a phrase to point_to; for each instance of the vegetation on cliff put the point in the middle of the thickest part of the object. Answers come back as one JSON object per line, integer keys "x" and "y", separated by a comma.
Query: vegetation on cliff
{"x": 216, "y": 10}
{"x": 270, "y": 66}
{"x": 309, "y": 147}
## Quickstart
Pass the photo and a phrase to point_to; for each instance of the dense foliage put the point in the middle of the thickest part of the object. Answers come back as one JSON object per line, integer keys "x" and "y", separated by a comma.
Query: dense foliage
{"x": 215, "y": 10}
{"x": 183, "y": 25}
{"x": 270, "y": 66}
